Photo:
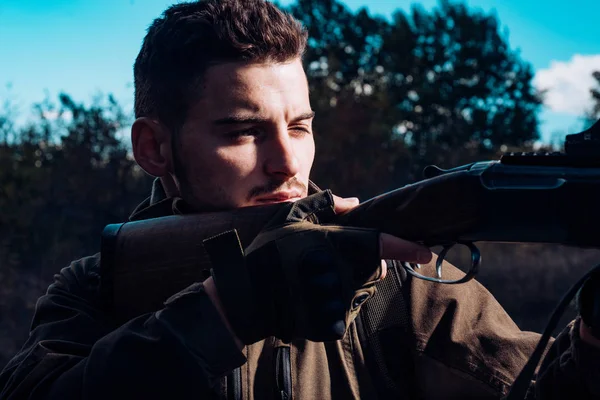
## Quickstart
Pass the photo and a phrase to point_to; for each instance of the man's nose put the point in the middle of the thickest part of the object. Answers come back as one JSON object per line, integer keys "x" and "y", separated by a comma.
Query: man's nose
{"x": 281, "y": 158}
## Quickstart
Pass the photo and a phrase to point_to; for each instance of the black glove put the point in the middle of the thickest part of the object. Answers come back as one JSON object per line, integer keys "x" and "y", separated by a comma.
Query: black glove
{"x": 297, "y": 279}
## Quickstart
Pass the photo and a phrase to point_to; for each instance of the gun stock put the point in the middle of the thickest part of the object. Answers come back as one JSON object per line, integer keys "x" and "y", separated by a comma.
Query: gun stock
{"x": 145, "y": 262}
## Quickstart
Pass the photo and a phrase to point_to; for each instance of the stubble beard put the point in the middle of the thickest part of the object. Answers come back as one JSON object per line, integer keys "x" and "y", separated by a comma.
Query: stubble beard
{"x": 220, "y": 198}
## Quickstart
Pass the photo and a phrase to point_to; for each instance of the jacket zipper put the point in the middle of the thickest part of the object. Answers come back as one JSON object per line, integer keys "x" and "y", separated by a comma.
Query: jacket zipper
{"x": 283, "y": 373}
{"x": 234, "y": 385}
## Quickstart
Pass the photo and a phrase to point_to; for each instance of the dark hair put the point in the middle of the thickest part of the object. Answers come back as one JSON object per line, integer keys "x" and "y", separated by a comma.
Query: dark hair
{"x": 190, "y": 37}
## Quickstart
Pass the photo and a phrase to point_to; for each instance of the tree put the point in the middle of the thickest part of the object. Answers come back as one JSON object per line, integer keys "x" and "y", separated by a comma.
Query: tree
{"x": 440, "y": 87}
{"x": 63, "y": 177}
{"x": 467, "y": 89}
{"x": 356, "y": 155}
{"x": 70, "y": 175}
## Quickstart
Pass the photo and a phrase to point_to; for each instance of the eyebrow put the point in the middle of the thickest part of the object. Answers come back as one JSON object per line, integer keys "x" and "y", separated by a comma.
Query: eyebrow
{"x": 242, "y": 119}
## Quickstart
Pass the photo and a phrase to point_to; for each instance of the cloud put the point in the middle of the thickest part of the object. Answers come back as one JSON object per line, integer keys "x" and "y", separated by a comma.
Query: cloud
{"x": 568, "y": 83}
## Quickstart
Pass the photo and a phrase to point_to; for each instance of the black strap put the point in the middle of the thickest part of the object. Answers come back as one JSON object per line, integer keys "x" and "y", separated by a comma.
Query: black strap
{"x": 384, "y": 330}
{"x": 234, "y": 384}
{"x": 283, "y": 372}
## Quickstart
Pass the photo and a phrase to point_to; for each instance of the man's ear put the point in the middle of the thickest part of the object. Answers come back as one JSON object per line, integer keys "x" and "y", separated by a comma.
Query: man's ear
{"x": 151, "y": 144}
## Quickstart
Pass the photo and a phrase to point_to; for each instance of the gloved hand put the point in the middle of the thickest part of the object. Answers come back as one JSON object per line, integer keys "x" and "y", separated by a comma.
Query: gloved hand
{"x": 298, "y": 278}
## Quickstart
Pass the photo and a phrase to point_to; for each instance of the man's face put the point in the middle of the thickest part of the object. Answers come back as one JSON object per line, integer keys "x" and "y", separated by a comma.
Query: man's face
{"x": 249, "y": 140}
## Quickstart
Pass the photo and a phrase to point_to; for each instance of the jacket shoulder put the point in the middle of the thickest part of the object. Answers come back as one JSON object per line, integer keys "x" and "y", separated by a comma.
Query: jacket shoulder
{"x": 81, "y": 278}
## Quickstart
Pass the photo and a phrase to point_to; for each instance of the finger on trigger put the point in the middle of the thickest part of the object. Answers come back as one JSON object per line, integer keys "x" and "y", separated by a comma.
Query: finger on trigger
{"x": 394, "y": 248}
{"x": 342, "y": 205}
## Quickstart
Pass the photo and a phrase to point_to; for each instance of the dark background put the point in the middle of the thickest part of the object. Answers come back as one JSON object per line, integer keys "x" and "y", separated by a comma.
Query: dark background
{"x": 440, "y": 87}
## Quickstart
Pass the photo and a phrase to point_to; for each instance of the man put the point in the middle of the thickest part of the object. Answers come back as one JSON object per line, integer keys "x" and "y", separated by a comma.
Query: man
{"x": 224, "y": 120}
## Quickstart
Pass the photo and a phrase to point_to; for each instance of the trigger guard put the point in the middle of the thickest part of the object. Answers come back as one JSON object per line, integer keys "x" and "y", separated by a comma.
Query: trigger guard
{"x": 470, "y": 274}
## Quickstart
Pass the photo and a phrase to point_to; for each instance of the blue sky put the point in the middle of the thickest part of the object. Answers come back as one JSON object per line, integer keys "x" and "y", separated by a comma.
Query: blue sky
{"x": 85, "y": 47}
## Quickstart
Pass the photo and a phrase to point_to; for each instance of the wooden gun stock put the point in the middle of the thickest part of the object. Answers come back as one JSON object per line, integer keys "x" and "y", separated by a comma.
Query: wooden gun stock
{"x": 145, "y": 262}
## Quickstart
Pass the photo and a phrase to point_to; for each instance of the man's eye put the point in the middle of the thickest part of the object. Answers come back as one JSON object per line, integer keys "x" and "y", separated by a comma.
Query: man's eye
{"x": 243, "y": 133}
{"x": 300, "y": 131}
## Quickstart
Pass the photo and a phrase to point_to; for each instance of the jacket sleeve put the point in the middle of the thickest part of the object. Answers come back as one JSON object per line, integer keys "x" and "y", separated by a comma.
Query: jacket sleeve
{"x": 571, "y": 369}
{"x": 467, "y": 346}
{"x": 74, "y": 352}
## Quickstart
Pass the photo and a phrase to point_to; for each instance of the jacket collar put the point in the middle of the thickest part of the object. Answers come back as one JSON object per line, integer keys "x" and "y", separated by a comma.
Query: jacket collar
{"x": 158, "y": 204}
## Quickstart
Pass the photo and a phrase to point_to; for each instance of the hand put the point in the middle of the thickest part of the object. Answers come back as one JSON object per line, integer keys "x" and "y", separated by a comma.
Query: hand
{"x": 392, "y": 248}
{"x": 298, "y": 278}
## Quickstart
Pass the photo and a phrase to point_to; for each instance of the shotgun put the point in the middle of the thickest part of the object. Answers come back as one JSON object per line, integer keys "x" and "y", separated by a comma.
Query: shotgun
{"x": 523, "y": 197}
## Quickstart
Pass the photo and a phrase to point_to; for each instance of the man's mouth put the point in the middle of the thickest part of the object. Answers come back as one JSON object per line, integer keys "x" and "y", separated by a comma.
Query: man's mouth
{"x": 280, "y": 197}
